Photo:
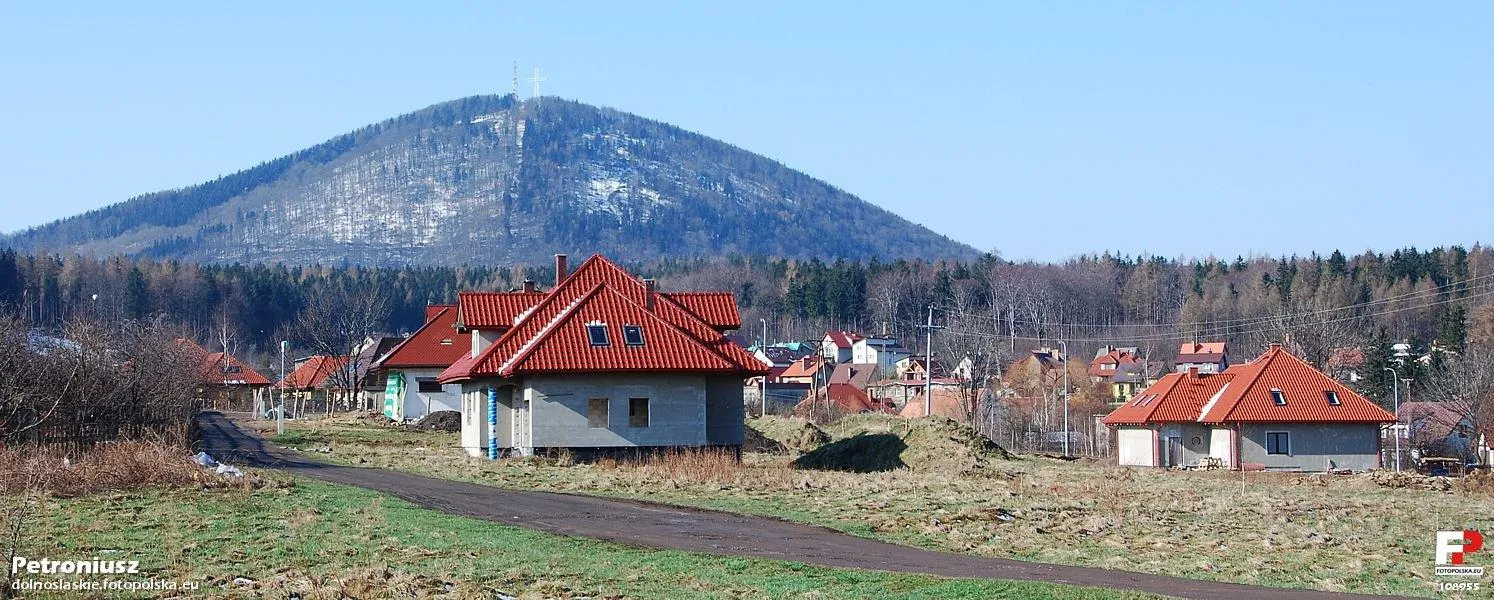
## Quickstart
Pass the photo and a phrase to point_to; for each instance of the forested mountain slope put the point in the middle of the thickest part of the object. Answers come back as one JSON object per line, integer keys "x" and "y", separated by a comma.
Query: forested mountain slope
{"x": 490, "y": 180}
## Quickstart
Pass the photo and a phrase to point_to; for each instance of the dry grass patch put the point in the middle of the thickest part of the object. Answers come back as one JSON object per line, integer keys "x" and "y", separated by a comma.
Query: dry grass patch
{"x": 112, "y": 466}
{"x": 1352, "y": 533}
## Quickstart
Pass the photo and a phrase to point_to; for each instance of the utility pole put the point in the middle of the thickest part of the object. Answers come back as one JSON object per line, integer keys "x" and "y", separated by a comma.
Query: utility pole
{"x": 928, "y": 360}
{"x": 1395, "y": 432}
{"x": 763, "y": 345}
{"x": 1064, "y": 348}
{"x": 280, "y": 414}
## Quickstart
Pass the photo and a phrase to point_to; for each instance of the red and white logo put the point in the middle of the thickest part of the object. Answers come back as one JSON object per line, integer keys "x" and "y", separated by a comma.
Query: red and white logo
{"x": 1452, "y": 546}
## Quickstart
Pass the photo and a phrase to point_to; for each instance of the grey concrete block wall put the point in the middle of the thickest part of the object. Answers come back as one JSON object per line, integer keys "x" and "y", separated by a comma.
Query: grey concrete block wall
{"x": 725, "y": 415}
{"x": 677, "y": 410}
{"x": 1192, "y": 450}
{"x": 1314, "y": 446}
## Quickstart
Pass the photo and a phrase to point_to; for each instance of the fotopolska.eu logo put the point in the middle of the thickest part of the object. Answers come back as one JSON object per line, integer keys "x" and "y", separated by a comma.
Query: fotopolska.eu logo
{"x": 1452, "y": 549}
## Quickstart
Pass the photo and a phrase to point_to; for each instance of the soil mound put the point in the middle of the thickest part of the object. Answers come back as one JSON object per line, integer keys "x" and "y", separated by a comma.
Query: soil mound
{"x": 449, "y": 421}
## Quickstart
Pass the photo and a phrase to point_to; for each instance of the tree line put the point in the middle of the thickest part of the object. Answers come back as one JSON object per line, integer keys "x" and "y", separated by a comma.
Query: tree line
{"x": 1316, "y": 304}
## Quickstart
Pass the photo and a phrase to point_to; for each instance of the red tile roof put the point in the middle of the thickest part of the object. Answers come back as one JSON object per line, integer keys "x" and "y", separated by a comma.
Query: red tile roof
{"x": 1249, "y": 397}
{"x": 313, "y": 373}
{"x": 849, "y": 399}
{"x": 435, "y": 345}
{"x": 219, "y": 368}
{"x": 494, "y": 310}
{"x": 431, "y": 310}
{"x": 806, "y": 366}
{"x": 1205, "y": 352}
{"x": 551, "y": 337}
{"x": 1177, "y": 397}
{"x": 843, "y": 339}
{"x": 719, "y": 309}
{"x": 1242, "y": 393}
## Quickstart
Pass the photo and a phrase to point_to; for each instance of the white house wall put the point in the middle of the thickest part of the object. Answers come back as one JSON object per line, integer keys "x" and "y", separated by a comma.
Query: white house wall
{"x": 415, "y": 402}
{"x": 1136, "y": 447}
{"x": 1222, "y": 444}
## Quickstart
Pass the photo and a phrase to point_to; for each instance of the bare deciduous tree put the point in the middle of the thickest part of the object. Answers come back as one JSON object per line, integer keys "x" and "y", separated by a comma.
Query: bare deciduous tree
{"x": 339, "y": 325}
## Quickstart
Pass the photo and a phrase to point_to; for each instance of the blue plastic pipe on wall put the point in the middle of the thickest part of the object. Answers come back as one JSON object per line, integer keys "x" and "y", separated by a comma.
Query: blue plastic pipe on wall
{"x": 492, "y": 423}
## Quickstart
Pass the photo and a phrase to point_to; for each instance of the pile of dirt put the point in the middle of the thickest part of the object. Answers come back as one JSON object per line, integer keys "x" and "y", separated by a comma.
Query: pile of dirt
{"x": 941, "y": 443}
{"x": 754, "y": 441}
{"x": 863, "y": 453}
{"x": 1408, "y": 480}
{"x": 793, "y": 433}
{"x": 449, "y": 421}
{"x": 929, "y": 443}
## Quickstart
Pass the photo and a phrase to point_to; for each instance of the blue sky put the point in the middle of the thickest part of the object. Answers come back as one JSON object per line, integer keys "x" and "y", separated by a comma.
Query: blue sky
{"x": 1040, "y": 130}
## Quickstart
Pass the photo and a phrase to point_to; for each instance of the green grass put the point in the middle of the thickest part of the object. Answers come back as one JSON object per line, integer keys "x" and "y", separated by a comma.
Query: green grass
{"x": 1348, "y": 534}
{"x": 332, "y": 541}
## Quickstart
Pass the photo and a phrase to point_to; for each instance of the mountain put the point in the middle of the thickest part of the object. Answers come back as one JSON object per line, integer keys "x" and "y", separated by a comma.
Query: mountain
{"x": 491, "y": 180}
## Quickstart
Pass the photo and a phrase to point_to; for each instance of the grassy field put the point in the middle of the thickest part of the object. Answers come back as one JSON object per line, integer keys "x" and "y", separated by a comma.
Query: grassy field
{"x": 1336, "y": 533}
{"x": 333, "y": 542}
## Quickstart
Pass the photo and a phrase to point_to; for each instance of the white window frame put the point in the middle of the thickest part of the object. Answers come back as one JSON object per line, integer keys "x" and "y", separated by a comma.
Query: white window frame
{"x": 1332, "y": 397}
{"x": 1267, "y": 443}
{"x": 1276, "y": 394}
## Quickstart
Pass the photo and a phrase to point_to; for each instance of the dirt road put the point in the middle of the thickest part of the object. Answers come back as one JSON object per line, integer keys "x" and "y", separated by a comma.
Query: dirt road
{"x": 662, "y": 526}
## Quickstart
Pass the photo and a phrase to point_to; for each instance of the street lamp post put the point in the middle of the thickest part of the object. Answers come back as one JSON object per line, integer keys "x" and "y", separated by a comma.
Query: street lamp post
{"x": 1395, "y": 432}
{"x": 763, "y": 346}
{"x": 1064, "y": 348}
{"x": 280, "y": 414}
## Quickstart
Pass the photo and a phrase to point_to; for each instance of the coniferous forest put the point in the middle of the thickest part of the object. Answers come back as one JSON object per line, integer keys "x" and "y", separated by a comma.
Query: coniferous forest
{"x": 1438, "y": 298}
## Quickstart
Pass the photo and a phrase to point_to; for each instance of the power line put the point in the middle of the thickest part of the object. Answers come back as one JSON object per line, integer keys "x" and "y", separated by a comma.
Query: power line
{"x": 1245, "y": 321}
{"x": 1247, "y": 331}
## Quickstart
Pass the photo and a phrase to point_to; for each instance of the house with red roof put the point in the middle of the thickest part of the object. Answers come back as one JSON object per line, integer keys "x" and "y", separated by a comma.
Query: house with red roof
{"x": 1207, "y": 357}
{"x": 227, "y": 379}
{"x": 412, "y": 389}
{"x": 314, "y": 382}
{"x": 1273, "y": 413}
{"x": 603, "y": 360}
{"x": 1122, "y": 370}
{"x": 839, "y": 346}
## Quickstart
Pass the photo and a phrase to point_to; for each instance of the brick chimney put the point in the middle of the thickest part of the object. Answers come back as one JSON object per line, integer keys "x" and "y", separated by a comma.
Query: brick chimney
{"x": 648, "y": 294}
{"x": 560, "y": 264}
{"x": 1193, "y": 372}
{"x": 528, "y": 286}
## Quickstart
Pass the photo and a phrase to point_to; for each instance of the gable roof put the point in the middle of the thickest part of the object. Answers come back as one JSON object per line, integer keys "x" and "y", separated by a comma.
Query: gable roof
{"x": 435, "y": 345}
{"x": 1202, "y": 352}
{"x": 549, "y": 337}
{"x": 857, "y": 374}
{"x": 1432, "y": 419}
{"x": 1243, "y": 394}
{"x": 313, "y": 373}
{"x": 842, "y": 339}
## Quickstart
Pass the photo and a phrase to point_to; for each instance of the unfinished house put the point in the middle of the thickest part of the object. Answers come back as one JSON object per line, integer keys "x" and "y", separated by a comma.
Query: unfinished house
{"x": 411, "y": 387}
{"x": 601, "y": 361}
{"x": 1273, "y": 413}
